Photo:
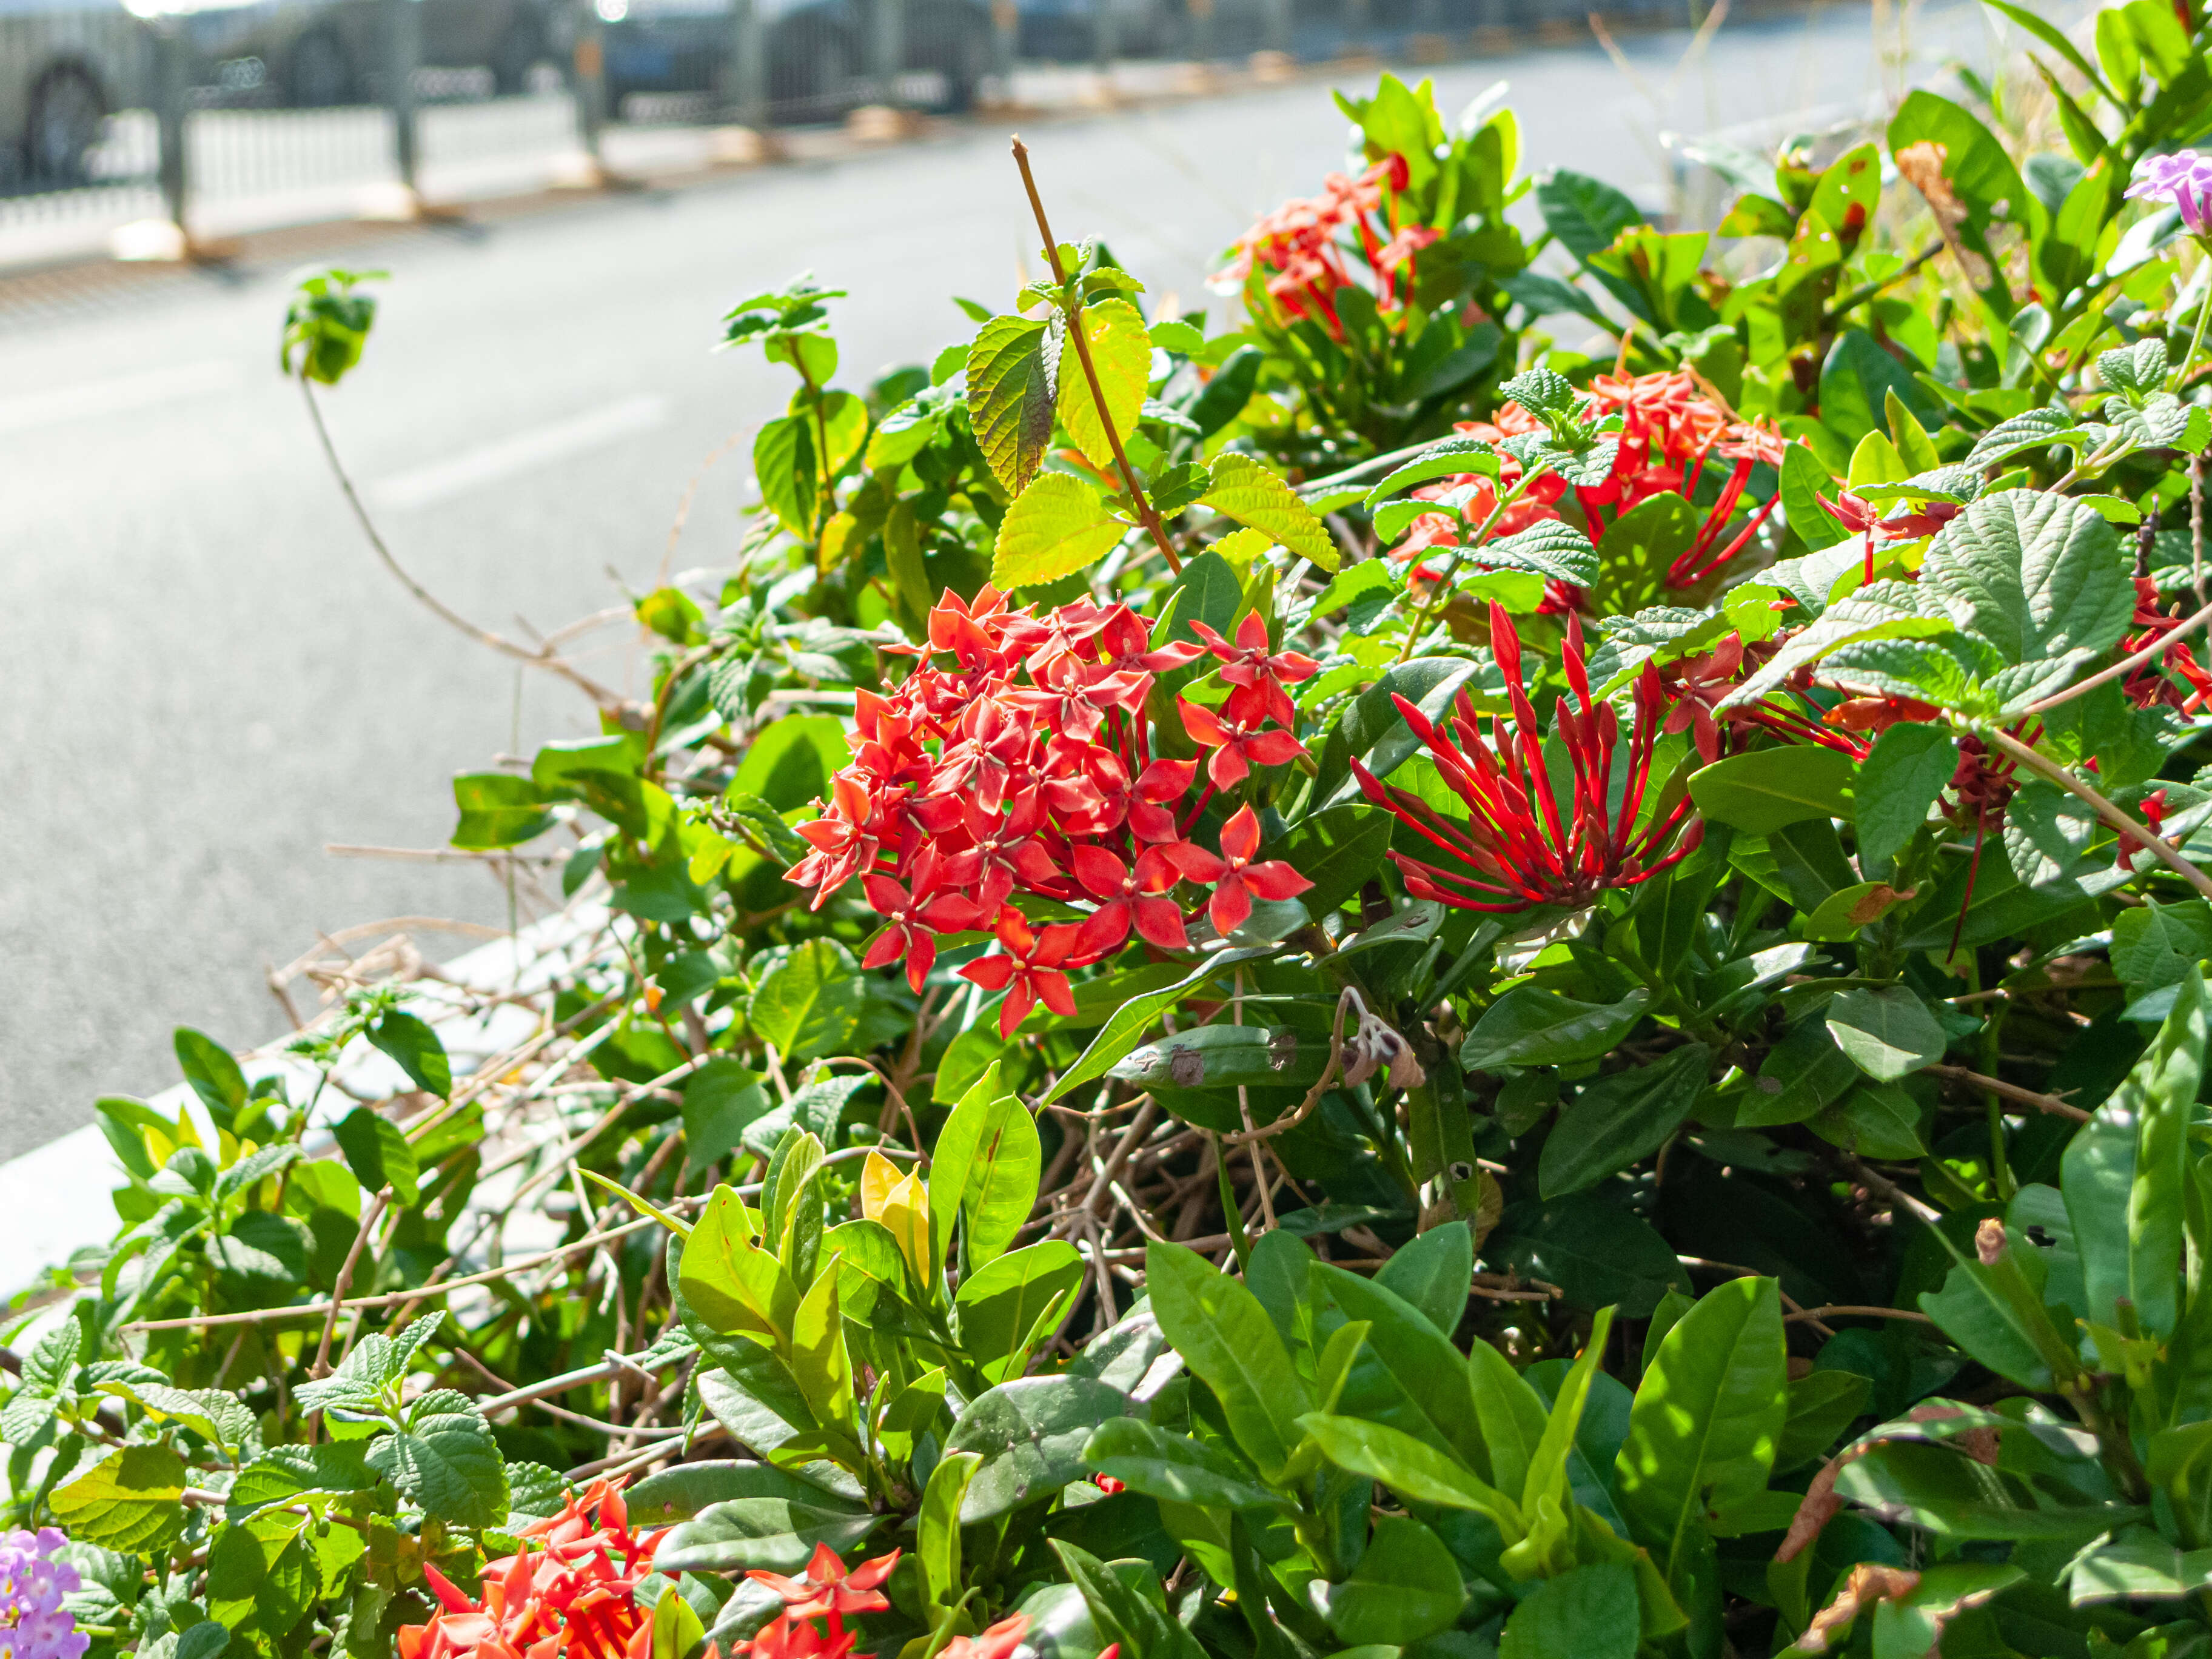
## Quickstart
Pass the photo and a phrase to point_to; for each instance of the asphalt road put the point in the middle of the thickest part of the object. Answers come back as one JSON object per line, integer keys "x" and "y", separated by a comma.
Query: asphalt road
{"x": 207, "y": 678}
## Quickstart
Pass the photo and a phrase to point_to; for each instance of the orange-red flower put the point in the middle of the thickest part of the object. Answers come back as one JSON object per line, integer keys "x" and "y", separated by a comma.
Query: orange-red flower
{"x": 826, "y": 1591}
{"x": 573, "y": 1595}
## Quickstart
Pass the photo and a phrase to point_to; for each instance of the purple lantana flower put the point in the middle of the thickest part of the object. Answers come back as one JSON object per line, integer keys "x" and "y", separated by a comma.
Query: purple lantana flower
{"x": 2184, "y": 179}
{"x": 33, "y": 1624}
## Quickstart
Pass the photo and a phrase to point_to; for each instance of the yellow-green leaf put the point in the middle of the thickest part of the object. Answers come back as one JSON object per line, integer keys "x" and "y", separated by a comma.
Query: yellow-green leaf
{"x": 1121, "y": 353}
{"x": 1057, "y": 526}
{"x": 1245, "y": 491}
{"x": 729, "y": 1280}
{"x": 1012, "y": 370}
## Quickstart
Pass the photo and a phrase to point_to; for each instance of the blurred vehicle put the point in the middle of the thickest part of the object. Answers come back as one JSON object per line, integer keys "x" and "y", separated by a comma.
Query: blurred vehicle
{"x": 818, "y": 50}
{"x": 311, "y": 54}
{"x": 64, "y": 68}
{"x": 1066, "y": 31}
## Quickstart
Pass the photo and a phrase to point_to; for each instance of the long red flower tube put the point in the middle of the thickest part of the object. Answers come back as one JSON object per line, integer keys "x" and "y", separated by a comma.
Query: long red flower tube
{"x": 1524, "y": 844}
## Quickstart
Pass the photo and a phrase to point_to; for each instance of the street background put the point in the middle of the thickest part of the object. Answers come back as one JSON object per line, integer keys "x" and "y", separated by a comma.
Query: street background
{"x": 207, "y": 678}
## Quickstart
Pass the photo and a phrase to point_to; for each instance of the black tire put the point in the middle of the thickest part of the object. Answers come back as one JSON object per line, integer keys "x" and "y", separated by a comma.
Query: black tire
{"x": 68, "y": 115}
{"x": 520, "y": 50}
{"x": 318, "y": 73}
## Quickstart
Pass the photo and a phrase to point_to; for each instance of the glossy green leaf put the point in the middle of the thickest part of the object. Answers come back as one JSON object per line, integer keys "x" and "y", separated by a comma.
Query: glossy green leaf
{"x": 1000, "y": 1302}
{"x": 1172, "y": 1468}
{"x": 1707, "y": 1419}
{"x": 1408, "y": 1467}
{"x": 1528, "y": 1027}
{"x": 415, "y": 1048}
{"x": 1226, "y": 1338}
{"x": 376, "y": 1151}
{"x": 1589, "y": 1612}
{"x": 983, "y": 1172}
{"x": 1888, "y": 1031}
{"x": 1406, "y": 1587}
{"x": 937, "y": 1532}
{"x": 1763, "y": 791}
{"x": 1620, "y": 1120}
{"x": 1031, "y": 1432}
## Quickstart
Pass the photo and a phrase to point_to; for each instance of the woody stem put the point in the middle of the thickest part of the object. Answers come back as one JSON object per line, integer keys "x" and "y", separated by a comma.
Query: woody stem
{"x": 1072, "y": 307}
{"x": 2127, "y": 666}
{"x": 2130, "y": 831}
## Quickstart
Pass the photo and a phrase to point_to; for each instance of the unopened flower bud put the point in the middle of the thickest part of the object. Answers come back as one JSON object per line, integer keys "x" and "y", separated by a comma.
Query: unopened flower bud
{"x": 1989, "y": 1242}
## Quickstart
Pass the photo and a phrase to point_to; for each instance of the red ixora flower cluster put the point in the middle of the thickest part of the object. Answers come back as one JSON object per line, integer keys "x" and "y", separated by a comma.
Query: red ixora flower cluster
{"x": 1016, "y": 759}
{"x": 1670, "y": 430}
{"x": 1522, "y": 845}
{"x": 575, "y": 1595}
{"x": 1299, "y": 245}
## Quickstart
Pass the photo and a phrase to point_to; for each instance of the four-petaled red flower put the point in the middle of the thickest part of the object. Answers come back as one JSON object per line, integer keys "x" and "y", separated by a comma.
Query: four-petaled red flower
{"x": 1239, "y": 880}
{"x": 1030, "y": 971}
{"x": 825, "y": 1592}
{"x": 913, "y": 917}
{"x": 1237, "y": 748}
{"x": 1299, "y": 257}
{"x": 1248, "y": 665}
{"x": 1524, "y": 845}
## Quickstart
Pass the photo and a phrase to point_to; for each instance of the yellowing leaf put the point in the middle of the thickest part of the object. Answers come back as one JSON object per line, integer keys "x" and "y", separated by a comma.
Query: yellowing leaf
{"x": 1245, "y": 491}
{"x": 1121, "y": 353}
{"x": 905, "y": 1214}
{"x": 1058, "y": 524}
{"x": 877, "y": 1176}
{"x": 1241, "y": 547}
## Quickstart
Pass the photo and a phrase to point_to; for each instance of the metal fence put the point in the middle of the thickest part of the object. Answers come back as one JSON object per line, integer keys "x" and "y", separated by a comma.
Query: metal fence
{"x": 236, "y": 117}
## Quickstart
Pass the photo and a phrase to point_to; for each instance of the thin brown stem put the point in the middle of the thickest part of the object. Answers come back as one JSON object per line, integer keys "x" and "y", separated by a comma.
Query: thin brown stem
{"x": 1146, "y": 515}
{"x": 2132, "y": 834}
{"x": 344, "y": 1280}
{"x": 2128, "y": 665}
{"x": 2012, "y": 1091}
{"x": 541, "y": 658}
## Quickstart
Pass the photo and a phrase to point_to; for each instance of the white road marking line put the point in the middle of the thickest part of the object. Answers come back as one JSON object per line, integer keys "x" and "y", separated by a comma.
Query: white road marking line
{"x": 426, "y": 486}
{"x": 116, "y": 396}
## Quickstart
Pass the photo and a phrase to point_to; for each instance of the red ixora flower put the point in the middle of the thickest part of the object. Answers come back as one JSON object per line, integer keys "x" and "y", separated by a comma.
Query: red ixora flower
{"x": 1237, "y": 880}
{"x": 1030, "y": 971}
{"x": 1016, "y": 758}
{"x": 825, "y": 1591}
{"x": 1522, "y": 845}
{"x": 1299, "y": 253}
{"x": 575, "y": 1595}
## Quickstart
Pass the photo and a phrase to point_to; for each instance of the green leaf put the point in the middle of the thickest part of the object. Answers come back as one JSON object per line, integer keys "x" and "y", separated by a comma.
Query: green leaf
{"x": 983, "y": 1172}
{"x": 2123, "y": 1173}
{"x": 1951, "y": 1495}
{"x": 1551, "y": 549}
{"x": 1585, "y": 214}
{"x": 761, "y": 1535}
{"x": 377, "y": 1152}
{"x": 1897, "y": 785}
{"x": 812, "y": 1004}
{"x": 1031, "y": 1432}
{"x": 937, "y": 1532}
{"x": 1000, "y": 1303}
{"x": 1411, "y": 1468}
{"x": 216, "y": 1417}
{"x": 2158, "y": 944}
{"x": 721, "y": 1099}
{"x": 1126, "y": 1028}
{"x": 417, "y": 1048}
{"x": 790, "y": 763}
{"x": 1172, "y": 1468}
{"x": 1856, "y": 382}
{"x": 130, "y": 1500}
{"x": 676, "y": 1628}
{"x": 731, "y": 1283}
{"x": 2036, "y": 574}
{"x": 1121, "y": 1613}
{"x": 1121, "y": 354}
{"x": 1889, "y": 1031}
{"x": 1432, "y": 1273}
{"x": 214, "y": 1075}
{"x": 1528, "y": 1027}
{"x": 1770, "y": 788}
{"x": 1590, "y": 1247}
{"x": 1804, "y": 481}
{"x": 1996, "y": 1315}
{"x": 1707, "y": 1420}
{"x": 1407, "y": 1587}
{"x": 1448, "y": 458}
{"x": 1337, "y": 850}
{"x": 1013, "y": 372}
{"x": 1620, "y": 1120}
{"x": 1058, "y": 526}
{"x": 446, "y": 1462}
{"x": 1799, "y": 1075}
{"x": 1227, "y": 1339}
{"x": 1822, "y": 1405}
{"x": 683, "y": 1492}
{"x": 1248, "y": 491}
{"x": 1873, "y": 1120}
{"x": 1589, "y": 1612}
